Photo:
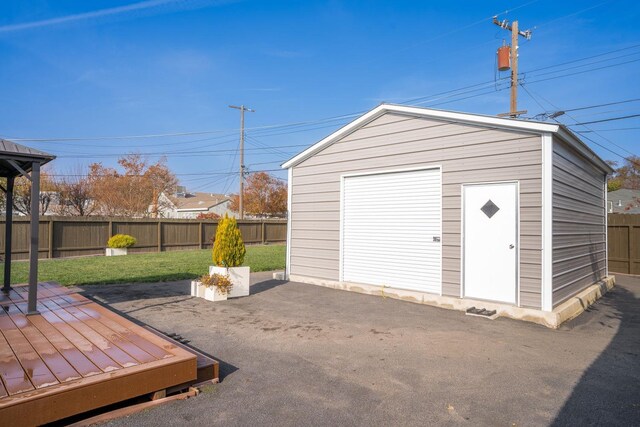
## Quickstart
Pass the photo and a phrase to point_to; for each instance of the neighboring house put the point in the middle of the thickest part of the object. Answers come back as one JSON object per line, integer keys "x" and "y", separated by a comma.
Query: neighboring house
{"x": 190, "y": 205}
{"x": 625, "y": 201}
{"x": 450, "y": 209}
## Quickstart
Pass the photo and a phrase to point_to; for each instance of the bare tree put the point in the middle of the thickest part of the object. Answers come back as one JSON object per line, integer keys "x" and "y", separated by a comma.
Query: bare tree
{"x": 22, "y": 194}
{"x": 75, "y": 195}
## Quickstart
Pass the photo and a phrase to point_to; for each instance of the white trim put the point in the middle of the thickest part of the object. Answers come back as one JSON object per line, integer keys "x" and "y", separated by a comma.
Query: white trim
{"x": 518, "y": 244}
{"x": 192, "y": 210}
{"x": 420, "y": 112}
{"x": 287, "y": 267}
{"x": 606, "y": 228}
{"x": 398, "y": 170}
{"x": 341, "y": 232}
{"x": 383, "y": 172}
{"x": 546, "y": 289}
{"x": 441, "y": 234}
{"x": 462, "y": 232}
{"x": 461, "y": 240}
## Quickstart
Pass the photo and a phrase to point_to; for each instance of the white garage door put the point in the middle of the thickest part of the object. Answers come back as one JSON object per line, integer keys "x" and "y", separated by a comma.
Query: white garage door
{"x": 391, "y": 230}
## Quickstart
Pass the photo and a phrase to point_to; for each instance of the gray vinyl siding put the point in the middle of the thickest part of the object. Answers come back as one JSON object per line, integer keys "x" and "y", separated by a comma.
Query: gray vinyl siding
{"x": 579, "y": 230}
{"x": 467, "y": 154}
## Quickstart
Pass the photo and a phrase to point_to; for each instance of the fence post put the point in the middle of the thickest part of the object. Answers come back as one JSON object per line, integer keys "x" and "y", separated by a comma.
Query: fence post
{"x": 632, "y": 249}
{"x": 200, "y": 234}
{"x": 262, "y": 232}
{"x": 159, "y": 236}
{"x": 50, "y": 252}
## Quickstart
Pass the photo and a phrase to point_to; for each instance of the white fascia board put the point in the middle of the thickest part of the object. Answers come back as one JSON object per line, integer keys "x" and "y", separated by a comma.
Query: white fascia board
{"x": 194, "y": 209}
{"x": 420, "y": 112}
{"x": 340, "y": 133}
{"x": 474, "y": 118}
{"x": 547, "y": 223}
{"x": 287, "y": 265}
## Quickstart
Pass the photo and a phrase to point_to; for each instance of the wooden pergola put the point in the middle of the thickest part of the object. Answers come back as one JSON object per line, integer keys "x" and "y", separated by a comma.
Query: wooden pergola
{"x": 17, "y": 160}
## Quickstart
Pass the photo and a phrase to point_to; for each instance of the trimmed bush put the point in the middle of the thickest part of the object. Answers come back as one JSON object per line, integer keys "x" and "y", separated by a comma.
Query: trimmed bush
{"x": 228, "y": 247}
{"x": 121, "y": 241}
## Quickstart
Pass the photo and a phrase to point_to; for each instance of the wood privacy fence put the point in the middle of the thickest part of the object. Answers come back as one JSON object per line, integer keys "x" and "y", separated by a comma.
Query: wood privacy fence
{"x": 624, "y": 243}
{"x": 76, "y": 236}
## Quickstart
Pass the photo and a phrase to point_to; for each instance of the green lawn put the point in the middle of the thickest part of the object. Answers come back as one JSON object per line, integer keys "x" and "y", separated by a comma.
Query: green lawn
{"x": 151, "y": 267}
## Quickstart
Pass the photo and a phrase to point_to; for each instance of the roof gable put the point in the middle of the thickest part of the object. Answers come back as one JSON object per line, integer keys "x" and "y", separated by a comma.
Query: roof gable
{"x": 464, "y": 118}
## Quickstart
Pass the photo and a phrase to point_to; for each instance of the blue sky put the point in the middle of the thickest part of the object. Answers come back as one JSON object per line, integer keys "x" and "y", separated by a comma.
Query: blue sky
{"x": 108, "y": 68}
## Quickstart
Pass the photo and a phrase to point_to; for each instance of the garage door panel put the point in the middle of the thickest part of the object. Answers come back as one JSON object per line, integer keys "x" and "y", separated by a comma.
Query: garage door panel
{"x": 389, "y": 222}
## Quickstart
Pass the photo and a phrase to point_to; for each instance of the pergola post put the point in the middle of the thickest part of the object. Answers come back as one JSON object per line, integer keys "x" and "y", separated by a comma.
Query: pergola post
{"x": 33, "y": 249}
{"x": 8, "y": 227}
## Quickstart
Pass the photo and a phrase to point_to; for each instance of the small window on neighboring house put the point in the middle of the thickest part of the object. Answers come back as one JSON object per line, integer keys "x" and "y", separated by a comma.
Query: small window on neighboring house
{"x": 610, "y": 203}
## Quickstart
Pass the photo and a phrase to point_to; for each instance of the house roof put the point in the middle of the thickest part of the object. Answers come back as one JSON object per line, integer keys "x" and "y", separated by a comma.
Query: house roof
{"x": 479, "y": 119}
{"x": 625, "y": 200}
{"x": 23, "y": 156}
{"x": 198, "y": 201}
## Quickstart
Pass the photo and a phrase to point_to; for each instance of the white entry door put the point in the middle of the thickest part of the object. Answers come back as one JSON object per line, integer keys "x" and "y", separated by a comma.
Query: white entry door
{"x": 490, "y": 241}
{"x": 391, "y": 230}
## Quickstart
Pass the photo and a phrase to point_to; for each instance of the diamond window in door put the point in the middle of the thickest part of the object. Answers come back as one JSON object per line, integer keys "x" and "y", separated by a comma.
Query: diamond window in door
{"x": 489, "y": 208}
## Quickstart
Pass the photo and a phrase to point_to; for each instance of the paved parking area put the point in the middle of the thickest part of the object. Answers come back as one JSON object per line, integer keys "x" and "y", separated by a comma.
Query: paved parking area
{"x": 297, "y": 354}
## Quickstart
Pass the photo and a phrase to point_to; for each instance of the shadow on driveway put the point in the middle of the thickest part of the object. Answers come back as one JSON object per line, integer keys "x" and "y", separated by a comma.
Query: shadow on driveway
{"x": 608, "y": 393}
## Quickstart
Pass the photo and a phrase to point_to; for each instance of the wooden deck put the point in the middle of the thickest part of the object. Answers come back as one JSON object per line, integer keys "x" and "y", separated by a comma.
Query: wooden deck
{"x": 76, "y": 356}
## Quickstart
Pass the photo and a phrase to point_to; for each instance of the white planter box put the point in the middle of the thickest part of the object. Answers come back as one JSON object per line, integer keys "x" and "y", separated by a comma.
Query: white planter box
{"x": 197, "y": 289}
{"x": 239, "y": 276}
{"x": 213, "y": 294}
{"x": 116, "y": 251}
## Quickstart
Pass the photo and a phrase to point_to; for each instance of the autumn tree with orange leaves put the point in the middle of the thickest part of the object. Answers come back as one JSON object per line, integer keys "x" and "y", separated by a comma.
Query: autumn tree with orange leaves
{"x": 264, "y": 196}
{"x": 133, "y": 192}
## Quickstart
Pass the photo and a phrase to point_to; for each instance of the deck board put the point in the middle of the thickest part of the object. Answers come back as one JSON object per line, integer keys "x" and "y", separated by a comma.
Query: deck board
{"x": 13, "y": 376}
{"x": 93, "y": 353}
{"x": 75, "y": 356}
{"x": 55, "y": 361}
{"x": 111, "y": 350}
{"x": 81, "y": 363}
{"x": 3, "y": 391}
{"x": 163, "y": 348}
{"x": 35, "y": 368}
{"x": 152, "y": 349}
{"x": 115, "y": 338}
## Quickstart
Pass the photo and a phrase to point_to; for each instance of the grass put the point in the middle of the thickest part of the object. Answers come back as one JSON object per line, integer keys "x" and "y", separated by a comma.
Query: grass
{"x": 137, "y": 268}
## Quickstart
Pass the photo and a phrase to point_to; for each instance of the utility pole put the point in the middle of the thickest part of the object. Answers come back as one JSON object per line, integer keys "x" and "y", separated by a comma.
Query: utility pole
{"x": 242, "y": 109}
{"x": 513, "y": 110}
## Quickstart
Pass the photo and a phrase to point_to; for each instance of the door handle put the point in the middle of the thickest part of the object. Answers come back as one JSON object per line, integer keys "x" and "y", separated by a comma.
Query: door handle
{"x": 511, "y": 246}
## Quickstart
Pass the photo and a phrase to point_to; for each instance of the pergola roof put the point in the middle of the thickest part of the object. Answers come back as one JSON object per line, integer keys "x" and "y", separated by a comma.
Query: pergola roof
{"x": 23, "y": 156}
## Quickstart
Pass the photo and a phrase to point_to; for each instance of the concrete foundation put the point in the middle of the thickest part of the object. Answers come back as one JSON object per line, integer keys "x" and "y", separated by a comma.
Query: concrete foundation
{"x": 551, "y": 319}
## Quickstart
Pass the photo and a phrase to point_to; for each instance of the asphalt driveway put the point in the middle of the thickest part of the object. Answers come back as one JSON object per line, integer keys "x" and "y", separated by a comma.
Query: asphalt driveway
{"x": 297, "y": 354}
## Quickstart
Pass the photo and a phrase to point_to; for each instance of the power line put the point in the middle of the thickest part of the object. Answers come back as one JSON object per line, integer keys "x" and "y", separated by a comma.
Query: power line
{"x": 607, "y": 130}
{"x": 188, "y": 153}
{"x": 262, "y": 129}
{"x": 601, "y": 136}
{"x": 142, "y": 175}
{"x": 610, "y": 119}
{"x": 582, "y": 72}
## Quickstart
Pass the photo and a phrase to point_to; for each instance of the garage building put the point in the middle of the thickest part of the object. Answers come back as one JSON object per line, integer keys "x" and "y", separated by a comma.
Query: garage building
{"x": 451, "y": 209}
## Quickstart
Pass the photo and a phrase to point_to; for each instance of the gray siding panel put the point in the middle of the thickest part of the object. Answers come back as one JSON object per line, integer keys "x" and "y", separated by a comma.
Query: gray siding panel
{"x": 579, "y": 234}
{"x": 466, "y": 153}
